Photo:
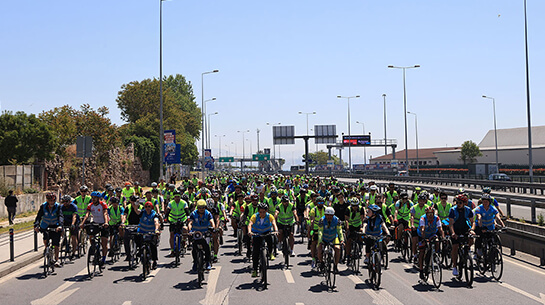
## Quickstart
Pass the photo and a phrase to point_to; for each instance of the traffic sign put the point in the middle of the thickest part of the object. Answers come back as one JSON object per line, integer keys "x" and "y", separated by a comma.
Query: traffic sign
{"x": 260, "y": 157}
{"x": 227, "y": 159}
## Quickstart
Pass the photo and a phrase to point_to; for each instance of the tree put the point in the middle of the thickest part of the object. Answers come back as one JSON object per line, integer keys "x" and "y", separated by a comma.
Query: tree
{"x": 23, "y": 138}
{"x": 321, "y": 157}
{"x": 139, "y": 104}
{"x": 469, "y": 152}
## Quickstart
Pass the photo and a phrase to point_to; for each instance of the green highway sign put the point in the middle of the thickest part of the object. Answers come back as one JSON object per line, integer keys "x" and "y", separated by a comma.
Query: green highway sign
{"x": 227, "y": 159}
{"x": 261, "y": 157}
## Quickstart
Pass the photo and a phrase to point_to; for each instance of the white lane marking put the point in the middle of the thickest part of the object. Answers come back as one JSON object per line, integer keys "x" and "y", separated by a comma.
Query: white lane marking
{"x": 152, "y": 275}
{"x": 289, "y": 277}
{"x": 60, "y": 294}
{"x": 512, "y": 261}
{"x": 213, "y": 298}
{"x": 381, "y": 297}
{"x": 407, "y": 266}
{"x": 299, "y": 303}
{"x": 540, "y": 299}
{"x": 127, "y": 303}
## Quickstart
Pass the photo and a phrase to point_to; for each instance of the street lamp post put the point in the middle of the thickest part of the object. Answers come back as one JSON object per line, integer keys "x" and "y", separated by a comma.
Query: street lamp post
{"x": 203, "y": 109}
{"x": 208, "y": 131}
{"x": 416, "y": 132}
{"x": 405, "y": 110}
{"x": 495, "y": 131}
{"x": 385, "y": 146}
{"x": 243, "y": 152}
{"x": 528, "y": 113}
{"x": 307, "y": 114}
{"x": 364, "y": 150}
{"x": 206, "y": 124}
{"x": 350, "y": 141}
{"x": 161, "y": 128}
{"x": 219, "y": 138}
{"x": 274, "y": 146}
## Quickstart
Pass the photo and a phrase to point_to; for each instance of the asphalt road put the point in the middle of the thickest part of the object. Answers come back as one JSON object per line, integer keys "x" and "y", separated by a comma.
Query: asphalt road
{"x": 230, "y": 282}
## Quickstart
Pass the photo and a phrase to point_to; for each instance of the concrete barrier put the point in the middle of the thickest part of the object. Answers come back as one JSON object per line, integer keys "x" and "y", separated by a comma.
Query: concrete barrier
{"x": 27, "y": 203}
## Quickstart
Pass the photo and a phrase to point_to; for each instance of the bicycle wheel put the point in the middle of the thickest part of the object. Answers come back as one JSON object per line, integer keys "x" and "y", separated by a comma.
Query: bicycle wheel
{"x": 263, "y": 262}
{"x": 177, "y": 249}
{"x": 286, "y": 252}
{"x": 446, "y": 250}
{"x": 91, "y": 258}
{"x": 468, "y": 270}
{"x": 116, "y": 248}
{"x": 404, "y": 249}
{"x": 144, "y": 259}
{"x": 384, "y": 257}
{"x": 47, "y": 263}
{"x": 200, "y": 268}
{"x": 239, "y": 241}
{"x": 436, "y": 270}
{"x": 82, "y": 243}
{"x": 63, "y": 250}
{"x": 377, "y": 269}
{"x": 356, "y": 256}
{"x": 496, "y": 263}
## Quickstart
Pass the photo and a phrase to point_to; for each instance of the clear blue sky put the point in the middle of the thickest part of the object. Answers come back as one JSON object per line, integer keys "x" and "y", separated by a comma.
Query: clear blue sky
{"x": 279, "y": 58}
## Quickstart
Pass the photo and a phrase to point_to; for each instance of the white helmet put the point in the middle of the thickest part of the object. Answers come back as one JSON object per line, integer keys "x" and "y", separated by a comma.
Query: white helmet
{"x": 210, "y": 203}
{"x": 329, "y": 211}
{"x": 373, "y": 187}
{"x": 154, "y": 184}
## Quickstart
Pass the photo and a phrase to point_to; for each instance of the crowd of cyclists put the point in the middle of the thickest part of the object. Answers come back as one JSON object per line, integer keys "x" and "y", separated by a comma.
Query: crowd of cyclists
{"x": 269, "y": 208}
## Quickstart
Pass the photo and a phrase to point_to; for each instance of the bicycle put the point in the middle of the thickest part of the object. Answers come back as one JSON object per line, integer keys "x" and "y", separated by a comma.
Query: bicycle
{"x": 240, "y": 237}
{"x": 375, "y": 265}
{"x": 180, "y": 240}
{"x": 65, "y": 246}
{"x": 263, "y": 258}
{"x": 286, "y": 251}
{"x": 328, "y": 261}
{"x": 145, "y": 252}
{"x": 432, "y": 263}
{"x": 446, "y": 251}
{"x": 465, "y": 261}
{"x": 356, "y": 254}
{"x": 406, "y": 245}
{"x": 49, "y": 254}
{"x": 116, "y": 245}
{"x": 200, "y": 253}
{"x": 491, "y": 259}
{"x": 94, "y": 254}
{"x": 134, "y": 258}
{"x": 82, "y": 243}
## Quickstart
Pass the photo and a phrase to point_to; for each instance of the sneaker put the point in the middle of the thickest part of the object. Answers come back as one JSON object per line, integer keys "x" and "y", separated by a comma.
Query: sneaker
{"x": 57, "y": 264}
{"x": 171, "y": 254}
{"x": 455, "y": 271}
{"x": 313, "y": 264}
{"x": 366, "y": 260}
{"x": 215, "y": 259}
{"x": 110, "y": 253}
{"x": 292, "y": 254}
{"x": 273, "y": 257}
{"x": 348, "y": 260}
{"x": 208, "y": 266}
{"x": 128, "y": 258}
{"x": 154, "y": 265}
{"x": 194, "y": 268}
{"x": 422, "y": 277}
{"x": 254, "y": 273}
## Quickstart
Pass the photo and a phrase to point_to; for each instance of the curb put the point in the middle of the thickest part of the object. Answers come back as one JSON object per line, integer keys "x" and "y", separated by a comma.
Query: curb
{"x": 23, "y": 261}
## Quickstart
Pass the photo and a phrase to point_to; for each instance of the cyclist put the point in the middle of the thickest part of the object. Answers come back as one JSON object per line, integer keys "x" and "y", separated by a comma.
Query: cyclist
{"x": 177, "y": 210}
{"x": 249, "y": 210}
{"x": 429, "y": 226}
{"x": 237, "y": 208}
{"x": 128, "y": 191}
{"x": 443, "y": 209}
{"x": 214, "y": 210}
{"x": 370, "y": 197}
{"x": 415, "y": 194}
{"x": 286, "y": 216}
{"x": 465, "y": 197}
{"x": 301, "y": 201}
{"x": 71, "y": 219}
{"x": 386, "y": 212}
{"x": 315, "y": 215}
{"x": 82, "y": 201}
{"x": 494, "y": 202}
{"x": 98, "y": 210}
{"x": 373, "y": 225}
{"x": 138, "y": 189}
{"x": 132, "y": 219}
{"x": 148, "y": 223}
{"x": 260, "y": 223}
{"x": 486, "y": 218}
{"x": 50, "y": 216}
{"x": 199, "y": 221}
{"x": 354, "y": 216}
{"x": 330, "y": 231}
{"x": 460, "y": 223}
{"x": 158, "y": 200}
{"x": 417, "y": 211}
{"x": 390, "y": 194}
{"x": 117, "y": 218}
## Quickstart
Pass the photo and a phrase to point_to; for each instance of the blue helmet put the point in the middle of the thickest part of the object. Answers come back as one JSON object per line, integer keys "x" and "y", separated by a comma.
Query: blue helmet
{"x": 96, "y": 194}
{"x": 374, "y": 208}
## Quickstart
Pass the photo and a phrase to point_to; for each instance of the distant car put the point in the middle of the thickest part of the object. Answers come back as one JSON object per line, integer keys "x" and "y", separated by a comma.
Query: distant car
{"x": 499, "y": 177}
{"x": 402, "y": 173}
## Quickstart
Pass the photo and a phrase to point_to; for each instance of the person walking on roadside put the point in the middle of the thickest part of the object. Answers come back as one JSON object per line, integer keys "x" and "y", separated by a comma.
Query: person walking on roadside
{"x": 11, "y": 205}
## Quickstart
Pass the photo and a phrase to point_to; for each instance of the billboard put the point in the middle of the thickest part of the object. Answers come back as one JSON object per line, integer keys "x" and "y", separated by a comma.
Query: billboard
{"x": 283, "y": 135}
{"x": 363, "y": 140}
{"x": 325, "y": 134}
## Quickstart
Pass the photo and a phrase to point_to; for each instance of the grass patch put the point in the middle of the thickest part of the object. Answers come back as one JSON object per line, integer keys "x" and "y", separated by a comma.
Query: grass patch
{"x": 22, "y": 215}
{"x": 18, "y": 227}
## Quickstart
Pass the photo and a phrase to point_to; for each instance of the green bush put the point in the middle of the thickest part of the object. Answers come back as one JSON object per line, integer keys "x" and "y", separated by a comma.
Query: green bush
{"x": 30, "y": 191}
{"x": 540, "y": 220}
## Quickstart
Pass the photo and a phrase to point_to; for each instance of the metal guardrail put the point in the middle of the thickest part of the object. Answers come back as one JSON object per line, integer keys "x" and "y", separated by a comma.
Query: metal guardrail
{"x": 508, "y": 186}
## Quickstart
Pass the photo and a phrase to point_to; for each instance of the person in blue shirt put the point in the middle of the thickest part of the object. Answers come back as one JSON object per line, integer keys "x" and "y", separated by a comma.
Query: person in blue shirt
{"x": 374, "y": 225}
{"x": 149, "y": 223}
{"x": 261, "y": 223}
{"x": 50, "y": 216}
{"x": 486, "y": 217}
{"x": 460, "y": 223}
{"x": 429, "y": 225}
{"x": 494, "y": 202}
{"x": 199, "y": 221}
{"x": 71, "y": 219}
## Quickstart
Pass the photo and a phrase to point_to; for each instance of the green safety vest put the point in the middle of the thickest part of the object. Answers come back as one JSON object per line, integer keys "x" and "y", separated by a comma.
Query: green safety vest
{"x": 115, "y": 216}
{"x": 177, "y": 211}
{"x": 82, "y": 204}
{"x": 272, "y": 204}
{"x": 237, "y": 210}
{"x": 443, "y": 212}
{"x": 354, "y": 218}
{"x": 317, "y": 216}
{"x": 129, "y": 210}
{"x": 419, "y": 212}
{"x": 372, "y": 198}
{"x": 404, "y": 212}
{"x": 390, "y": 197}
{"x": 285, "y": 214}
{"x": 251, "y": 211}
{"x": 384, "y": 216}
{"x": 127, "y": 193}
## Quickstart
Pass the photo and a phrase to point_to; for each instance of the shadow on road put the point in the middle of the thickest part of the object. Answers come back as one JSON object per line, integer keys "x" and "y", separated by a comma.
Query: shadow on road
{"x": 30, "y": 276}
{"x": 132, "y": 278}
{"x": 320, "y": 288}
{"x": 192, "y": 285}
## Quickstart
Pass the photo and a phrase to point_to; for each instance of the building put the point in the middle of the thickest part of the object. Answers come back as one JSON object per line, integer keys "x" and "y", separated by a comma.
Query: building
{"x": 512, "y": 148}
{"x": 426, "y": 156}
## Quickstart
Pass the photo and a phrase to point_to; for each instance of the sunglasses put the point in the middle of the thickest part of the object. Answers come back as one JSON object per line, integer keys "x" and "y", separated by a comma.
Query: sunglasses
{"x": 443, "y": 197}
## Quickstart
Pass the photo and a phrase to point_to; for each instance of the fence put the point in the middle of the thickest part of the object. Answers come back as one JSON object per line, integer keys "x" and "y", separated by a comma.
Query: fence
{"x": 17, "y": 176}
{"x": 26, "y": 203}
